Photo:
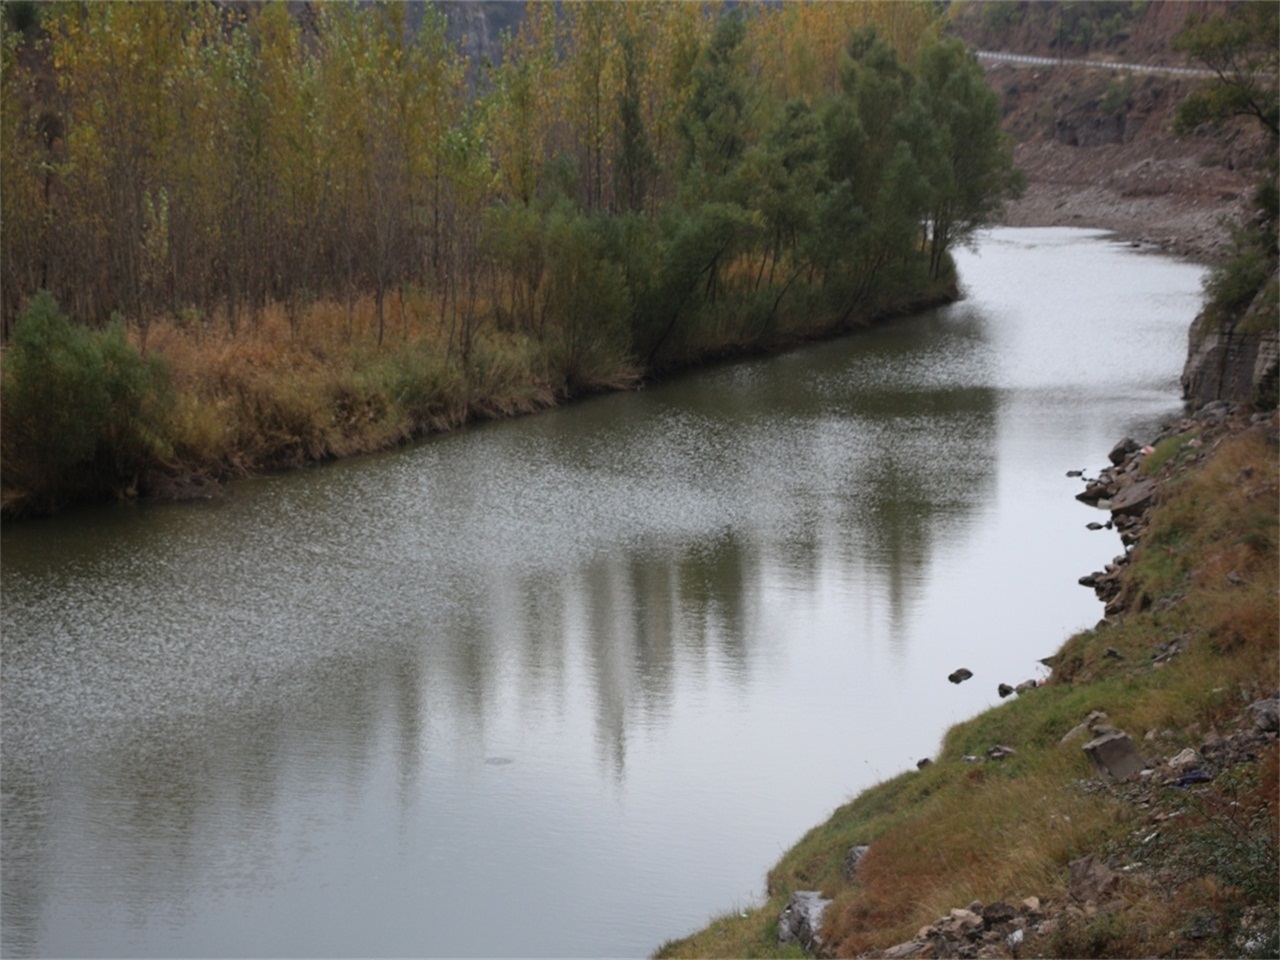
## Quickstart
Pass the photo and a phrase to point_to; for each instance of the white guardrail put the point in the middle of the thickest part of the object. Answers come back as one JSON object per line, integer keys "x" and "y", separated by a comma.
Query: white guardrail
{"x": 1100, "y": 64}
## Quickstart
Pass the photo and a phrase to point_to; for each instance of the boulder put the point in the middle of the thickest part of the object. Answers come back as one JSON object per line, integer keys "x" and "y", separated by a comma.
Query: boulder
{"x": 959, "y": 676}
{"x": 997, "y": 913}
{"x": 801, "y": 919}
{"x": 1185, "y": 760}
{"x": 1092, "y": 725}
{"x": 1114, "y": 754}
{"x": 1122, "y": 450}
{"x": 1091, "y": 880}
{"x": 1094, "y": 493}
{"x": 1134, "y": 498}
{"x": 1004, "y": 690}
{"x": 1266, "y": 714}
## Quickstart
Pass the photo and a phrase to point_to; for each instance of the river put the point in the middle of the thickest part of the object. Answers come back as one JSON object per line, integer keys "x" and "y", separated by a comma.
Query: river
{"x": 567, "y": 685}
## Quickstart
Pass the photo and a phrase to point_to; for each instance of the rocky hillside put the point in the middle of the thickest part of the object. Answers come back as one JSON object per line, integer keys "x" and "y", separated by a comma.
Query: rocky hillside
{"x": 1098, "y": 150}
{"x": 1097, "y": 142}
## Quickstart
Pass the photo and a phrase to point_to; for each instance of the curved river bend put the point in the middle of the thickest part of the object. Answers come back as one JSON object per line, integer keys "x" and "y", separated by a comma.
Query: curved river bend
{"x": 566, "y": 685}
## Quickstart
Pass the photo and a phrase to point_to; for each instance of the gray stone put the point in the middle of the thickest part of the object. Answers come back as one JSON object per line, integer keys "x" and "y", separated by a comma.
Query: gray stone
{"x": 999, "y": 912}
{"x": 1134, "y": 498}
{"x": 1122, "y": 450}
{"x": 1080, "y": 731}
{"x": 1266, "y": 713}
{"x": 960, "y": 676}
{"x": 1093, "y": 725}
{"x": 1185, "y": 760}
{"x": 1004, "y": 690}
{"x": 801, "y": 919}
{"x": 1000, "y": 752}
{"x": 1114, "y": 754}
{"x": 903, "y": 951}
{"x": 1091, "y": 880}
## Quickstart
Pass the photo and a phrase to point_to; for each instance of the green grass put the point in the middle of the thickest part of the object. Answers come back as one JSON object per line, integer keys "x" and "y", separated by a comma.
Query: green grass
{"x": 1165, "y": 450}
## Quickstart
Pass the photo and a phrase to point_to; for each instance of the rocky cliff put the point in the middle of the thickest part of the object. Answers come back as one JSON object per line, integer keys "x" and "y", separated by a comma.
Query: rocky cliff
{"x": 1238, "y": 359}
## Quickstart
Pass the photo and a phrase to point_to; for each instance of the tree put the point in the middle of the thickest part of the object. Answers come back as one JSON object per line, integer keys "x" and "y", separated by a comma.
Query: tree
{"x": 28, "y": 148}
{"x": 635, "y": 162}
{"x": 1240, "y": 48}
{"x": 874, "y": 143}
{"x": 592, "y": 34}
{"x": 969, "y": 159}
{"x": 519, "y": 107}
{"x": 714, "y": 123}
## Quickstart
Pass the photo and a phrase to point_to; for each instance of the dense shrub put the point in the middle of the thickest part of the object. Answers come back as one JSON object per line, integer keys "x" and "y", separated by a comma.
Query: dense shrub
{"x": 84, "y": 415}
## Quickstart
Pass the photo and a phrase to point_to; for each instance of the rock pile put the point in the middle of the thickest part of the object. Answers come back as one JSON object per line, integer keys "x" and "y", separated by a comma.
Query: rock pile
{"x": 1128, "y": 493}
{"x": 1000, "y": 929}
{"x": 993, "y": 930}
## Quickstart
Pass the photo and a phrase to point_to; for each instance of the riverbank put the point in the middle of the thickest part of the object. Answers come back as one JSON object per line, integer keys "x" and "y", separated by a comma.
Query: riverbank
{"x": 1174, "y": 204}
{"x": 278, "y": 396}
{"x": 1125, "y": 807}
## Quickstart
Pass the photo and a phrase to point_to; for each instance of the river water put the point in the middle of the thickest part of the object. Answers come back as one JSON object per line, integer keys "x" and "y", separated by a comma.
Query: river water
{"x": 567, "y": 685}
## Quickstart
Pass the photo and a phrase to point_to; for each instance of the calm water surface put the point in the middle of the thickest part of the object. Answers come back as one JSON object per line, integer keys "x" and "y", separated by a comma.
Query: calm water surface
{"x": 567, "y": 685}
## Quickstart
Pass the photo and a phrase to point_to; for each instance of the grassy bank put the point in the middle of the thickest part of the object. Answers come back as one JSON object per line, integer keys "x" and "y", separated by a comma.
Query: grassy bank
{"x": 1177, "y": 667}
{"x": 87, "y": 417}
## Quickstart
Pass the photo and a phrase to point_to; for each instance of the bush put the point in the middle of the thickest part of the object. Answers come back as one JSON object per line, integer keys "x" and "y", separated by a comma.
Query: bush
{"x": 84, "y": 415}
{"x": 588, "y": 306}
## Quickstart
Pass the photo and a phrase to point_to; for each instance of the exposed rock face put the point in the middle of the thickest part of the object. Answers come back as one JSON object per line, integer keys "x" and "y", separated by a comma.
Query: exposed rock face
{"x": 801, "y": 920}
{"x": 1238, "y": 361}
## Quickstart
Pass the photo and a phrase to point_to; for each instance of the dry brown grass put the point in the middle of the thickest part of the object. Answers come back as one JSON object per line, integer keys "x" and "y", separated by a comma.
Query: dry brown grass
{"x": 273, "y": 394}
